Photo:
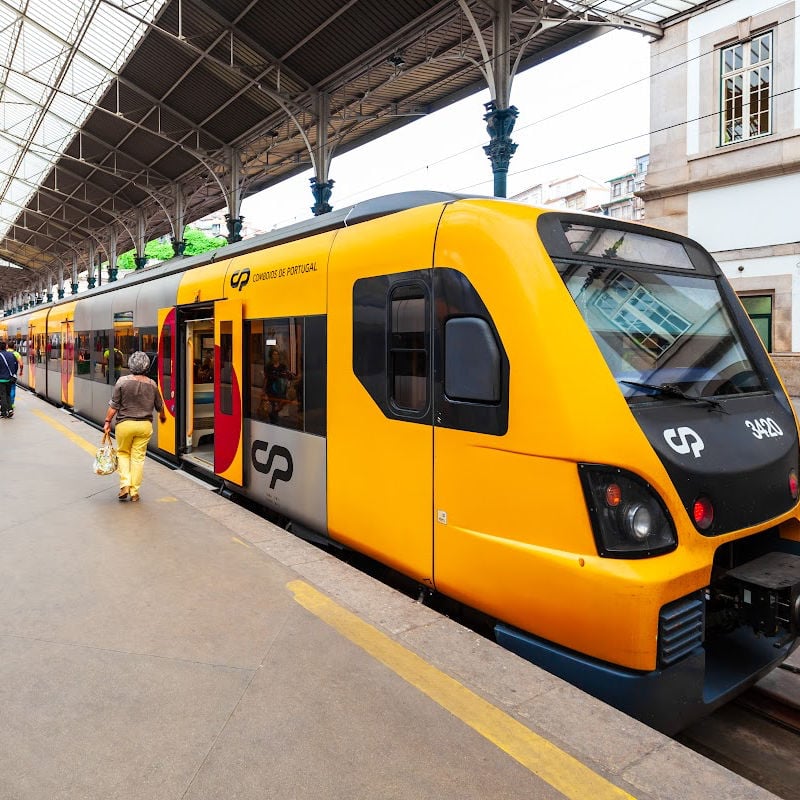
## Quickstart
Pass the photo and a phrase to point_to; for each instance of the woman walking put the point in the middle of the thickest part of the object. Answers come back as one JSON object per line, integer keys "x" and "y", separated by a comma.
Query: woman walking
{"x": 133, "y": 400}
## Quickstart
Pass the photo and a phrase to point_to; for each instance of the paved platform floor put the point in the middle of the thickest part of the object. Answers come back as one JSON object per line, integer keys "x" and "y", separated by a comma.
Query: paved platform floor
{"x": 184, "y": 648}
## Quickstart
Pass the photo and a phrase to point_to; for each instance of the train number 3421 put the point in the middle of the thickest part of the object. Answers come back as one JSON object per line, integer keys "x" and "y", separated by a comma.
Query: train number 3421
{"x": 764, "y": 427}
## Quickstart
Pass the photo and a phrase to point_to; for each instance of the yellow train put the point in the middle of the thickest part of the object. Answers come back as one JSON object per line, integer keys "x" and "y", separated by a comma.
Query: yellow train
{"x": 564, "y": 421}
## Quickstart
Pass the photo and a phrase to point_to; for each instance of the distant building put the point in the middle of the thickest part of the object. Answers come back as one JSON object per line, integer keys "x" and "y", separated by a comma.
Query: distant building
{"x": 623, "y": 203}
{"x": 725, "y": 155}
{"x": 577, "y": 193}
{"x": 214, "y": 224}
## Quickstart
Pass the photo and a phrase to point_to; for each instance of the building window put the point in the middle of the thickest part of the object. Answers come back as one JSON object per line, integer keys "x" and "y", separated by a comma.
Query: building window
{"x": 759, "y": 309}
{"x": 616, "y": 189}
{"x": 746, "y": 78}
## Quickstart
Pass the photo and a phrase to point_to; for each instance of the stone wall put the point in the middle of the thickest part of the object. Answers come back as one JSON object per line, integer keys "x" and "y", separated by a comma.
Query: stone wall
{"x": 788, "y": 366}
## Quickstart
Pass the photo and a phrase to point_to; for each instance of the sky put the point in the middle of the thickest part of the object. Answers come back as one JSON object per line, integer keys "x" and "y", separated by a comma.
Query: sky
{"x": 584, "y": 112}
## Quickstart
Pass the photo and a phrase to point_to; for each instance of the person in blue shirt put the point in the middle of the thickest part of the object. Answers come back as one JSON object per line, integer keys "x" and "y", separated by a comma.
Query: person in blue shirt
{"x": 13, "y": 391}
{"x": 8, "y": 377}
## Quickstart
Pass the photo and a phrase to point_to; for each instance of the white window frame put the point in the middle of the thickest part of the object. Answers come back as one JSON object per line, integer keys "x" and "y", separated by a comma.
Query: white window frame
{"x": 741, "y": 63}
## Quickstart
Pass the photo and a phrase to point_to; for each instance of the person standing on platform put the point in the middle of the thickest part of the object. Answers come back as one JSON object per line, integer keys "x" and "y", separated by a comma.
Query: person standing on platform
{"x": 13, "y": 392}
{"x": 8, "y": 377}
{"x": 133, "y": 400}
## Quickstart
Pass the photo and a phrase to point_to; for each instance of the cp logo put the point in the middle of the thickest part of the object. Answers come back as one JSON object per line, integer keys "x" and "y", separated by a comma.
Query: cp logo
{"x": 274, "y": 452}
{"x": 240, "y": 278}
{"x": 683, "y": 440}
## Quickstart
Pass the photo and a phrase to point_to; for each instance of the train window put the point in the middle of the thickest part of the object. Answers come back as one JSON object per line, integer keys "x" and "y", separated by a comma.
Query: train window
{"x": 226, "y": 368}
{"x": 40, "y": 348}
{"x": 166, "y": 359}
{"x": 602, "y": 242}
{"x": 287, "y": 372}
{"x": 53, "y": 351}
{"x": 472, "y": 364}
{"x": 99, "y": 363}
{"x": 408, "y": 354}
{"x": 276, "y": 371}
{"x": 148, "y": 343}
{"x": 662, "y": 330}
{"x": 83, "y": 342}
{"x": 126, "y": 341}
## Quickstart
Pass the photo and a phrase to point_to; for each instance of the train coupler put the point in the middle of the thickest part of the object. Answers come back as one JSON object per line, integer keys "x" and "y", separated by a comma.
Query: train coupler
{"x": 767, "y": 591}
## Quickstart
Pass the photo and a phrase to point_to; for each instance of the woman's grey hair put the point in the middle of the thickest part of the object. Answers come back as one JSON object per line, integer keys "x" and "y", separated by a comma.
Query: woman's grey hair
{"x": 138, "y": 363}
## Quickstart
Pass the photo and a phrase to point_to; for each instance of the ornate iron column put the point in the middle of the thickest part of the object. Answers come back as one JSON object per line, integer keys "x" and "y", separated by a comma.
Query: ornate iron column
{"x": 234, "y": 219}
{"x": 140, "y": 259}
{"x": 234, "y": 228}
{"x": 177, "y": 241}
{"x": 112, "y": 257}
{"x": 92, "y": 279}
{"x": 321, "y": 186}
{"x": 499, "y": 123}
{"x": 322, "y": 193}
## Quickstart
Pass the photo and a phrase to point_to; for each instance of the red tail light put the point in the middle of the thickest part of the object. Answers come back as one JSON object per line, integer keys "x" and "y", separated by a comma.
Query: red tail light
{"x": 703, "y": 513}
{"x": 794, "y": 485}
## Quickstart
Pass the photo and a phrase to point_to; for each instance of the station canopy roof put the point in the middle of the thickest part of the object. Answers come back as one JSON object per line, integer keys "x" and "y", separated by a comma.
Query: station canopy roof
{"x": 108, "y": 105}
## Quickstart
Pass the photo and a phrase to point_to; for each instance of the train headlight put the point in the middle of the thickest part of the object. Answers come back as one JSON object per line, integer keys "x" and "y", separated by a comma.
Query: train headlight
{"x": 794, "y": 486}
{"x": 629, "y": 519}
{"x": 638, "y": 521}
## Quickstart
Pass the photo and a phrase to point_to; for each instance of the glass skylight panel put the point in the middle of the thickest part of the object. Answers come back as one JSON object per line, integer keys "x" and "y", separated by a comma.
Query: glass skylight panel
{"x": 57, "y": 59}
{"x": 58, "y": 19}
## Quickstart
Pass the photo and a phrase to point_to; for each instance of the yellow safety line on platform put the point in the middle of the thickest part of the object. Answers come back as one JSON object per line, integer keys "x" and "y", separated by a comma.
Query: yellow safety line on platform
{"x": 563, "y": 772}
{"x": 74, "y": 437}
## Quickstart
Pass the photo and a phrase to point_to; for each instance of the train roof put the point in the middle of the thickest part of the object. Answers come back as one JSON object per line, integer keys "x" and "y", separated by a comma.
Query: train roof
{"x": 341, "y": 218}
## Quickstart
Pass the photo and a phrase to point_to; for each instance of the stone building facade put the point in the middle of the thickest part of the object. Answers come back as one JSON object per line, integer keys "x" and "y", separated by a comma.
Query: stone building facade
{"x": 725, "y": 155}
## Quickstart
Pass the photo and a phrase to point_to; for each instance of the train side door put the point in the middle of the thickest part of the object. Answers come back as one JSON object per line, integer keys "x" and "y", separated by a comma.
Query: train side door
{"x": 31, "y": 358}
{"x": 167, "y": 340}
{"x": 380, "y": 440}
{"x": 67, "y": 362}
{"x": 476, "y": 485}
{"x": 228, "y": 397}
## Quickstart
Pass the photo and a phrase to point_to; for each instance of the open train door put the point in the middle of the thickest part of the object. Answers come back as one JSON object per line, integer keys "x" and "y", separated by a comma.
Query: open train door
{"x": 67, "y": 361}
{"x": 228, "y": 410}
{"x": 167, "y": 340}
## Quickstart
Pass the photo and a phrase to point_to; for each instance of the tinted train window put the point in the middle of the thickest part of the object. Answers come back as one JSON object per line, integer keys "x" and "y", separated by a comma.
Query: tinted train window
{"x": 40, "y": 348}
{"x": 226, "y": 367}
{"x": 287, "y": 372}
{"x": 54, "y": 351}
{"x": 99, "y": 364}
{"x": 83, "y": 354}
{"x": 125, "y": 341}
{"x": 473, "y": 366}
{"x": 166, "y": 354}
{"x": 408, "y": 356}
{"x": 148, "y": 343}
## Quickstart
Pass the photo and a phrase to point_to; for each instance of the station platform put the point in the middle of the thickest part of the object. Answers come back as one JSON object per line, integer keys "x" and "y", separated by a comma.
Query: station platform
{"x": 183, "y": 648}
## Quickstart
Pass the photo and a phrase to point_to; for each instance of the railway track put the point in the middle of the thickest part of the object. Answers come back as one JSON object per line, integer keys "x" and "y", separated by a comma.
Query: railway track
{"x": 775, "y": 702}
{"x": 758, "y": 734}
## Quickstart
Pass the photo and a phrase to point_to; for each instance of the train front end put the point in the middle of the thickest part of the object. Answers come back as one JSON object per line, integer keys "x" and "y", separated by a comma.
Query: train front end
{"x": 699, "y": 385}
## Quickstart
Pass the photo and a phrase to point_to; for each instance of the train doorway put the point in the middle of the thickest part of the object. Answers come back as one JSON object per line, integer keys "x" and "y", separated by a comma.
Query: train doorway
{"x": 198, "y": 411}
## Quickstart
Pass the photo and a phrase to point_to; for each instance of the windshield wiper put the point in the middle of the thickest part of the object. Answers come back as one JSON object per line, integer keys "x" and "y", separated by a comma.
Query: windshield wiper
{"x": 671, "y": 390}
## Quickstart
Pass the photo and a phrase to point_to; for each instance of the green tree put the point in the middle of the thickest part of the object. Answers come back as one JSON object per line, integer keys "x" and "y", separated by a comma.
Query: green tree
{"x": 196, "y": 242}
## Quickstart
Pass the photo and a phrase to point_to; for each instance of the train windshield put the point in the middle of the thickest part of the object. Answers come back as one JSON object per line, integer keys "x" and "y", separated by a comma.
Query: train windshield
{"x": 662, "y": 333}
